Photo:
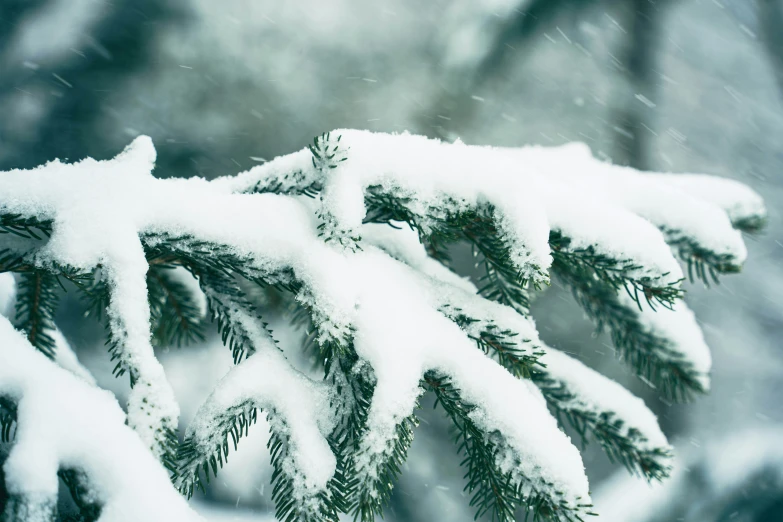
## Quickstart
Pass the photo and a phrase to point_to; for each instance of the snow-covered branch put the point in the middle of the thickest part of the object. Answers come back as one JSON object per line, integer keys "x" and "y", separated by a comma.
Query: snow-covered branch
{"x": 390, "y": 320}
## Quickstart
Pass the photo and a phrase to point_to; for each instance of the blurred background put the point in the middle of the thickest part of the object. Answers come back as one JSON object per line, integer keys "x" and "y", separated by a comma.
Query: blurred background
{"x": 666, "y": 85}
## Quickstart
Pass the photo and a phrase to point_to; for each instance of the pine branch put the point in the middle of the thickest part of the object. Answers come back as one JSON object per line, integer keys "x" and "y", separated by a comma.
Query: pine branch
{"x": 614, "y": 273}
{"x": 502, "y": 344}
{"x": 174, "y": 312}
{"x": 196, "y": 465}
{"x": 621, "y": 443}
{"x": 225, "y": 300}
{"x": 26, "y": 227}
{"x": 368, "y": 479}
{"x": 326, "y": 154}
{"x": 494, "y": 492}
{"x": 452, "y": 223}
{"x": 650, "y": 355}
{"x": 7, "y": 420}
{"x": 751, "y": 224}
{"x": 369, "y": 493}
{"x": 200, "y": 256}
{"x": 702, "y": 263}
{"x": 26, "y": 508}
{"x": 329, "y": 503}
{"x": 77, "y": 482}
{"x": 37, "y": 299}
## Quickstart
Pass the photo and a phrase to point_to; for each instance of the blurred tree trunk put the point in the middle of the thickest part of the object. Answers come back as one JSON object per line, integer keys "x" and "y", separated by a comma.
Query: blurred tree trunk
{"x": 771, "y": 24}
{"x": 637, "y": 104}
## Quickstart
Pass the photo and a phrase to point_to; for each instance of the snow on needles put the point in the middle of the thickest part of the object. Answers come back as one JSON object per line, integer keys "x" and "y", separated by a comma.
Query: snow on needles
{"x": 531, "y": 191}
{"x": 60, "y": 418}
{"x": 296, "y": 406}
{"x": 387, "y": 299}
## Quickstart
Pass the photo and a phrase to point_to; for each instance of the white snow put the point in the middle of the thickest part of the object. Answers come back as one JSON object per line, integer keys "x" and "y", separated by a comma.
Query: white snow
{"x": 399, "y": 357}
{"x": 60, "y": 418}
{"x": 100, "y": 210}
{"x": 613, "y": 209}
{"x": 679, "y": 327}
{"x": 594, "y": 392}
{"x": 738, "y": 200}
{"x": 267, "y": 381}
{"x": 671, "y": 202}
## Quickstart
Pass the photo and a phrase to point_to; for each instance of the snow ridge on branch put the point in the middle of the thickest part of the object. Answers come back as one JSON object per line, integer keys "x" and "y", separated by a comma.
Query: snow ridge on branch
{"x": 390, "y": 320}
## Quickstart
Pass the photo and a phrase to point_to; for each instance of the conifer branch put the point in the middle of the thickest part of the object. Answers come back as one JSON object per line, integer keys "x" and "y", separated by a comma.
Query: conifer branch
{"x": 226, "y": 302}
{"x": 649, "y": 354}
{"x": 25, "y": 227}
{"x": 7, "y": 420}
{"x": 174, "y": 312}
{"x": 338, "y": 445}
{"x": 621, "y": 443}
{"x": 494, "y": 492}
{"x": 37, "y": 299}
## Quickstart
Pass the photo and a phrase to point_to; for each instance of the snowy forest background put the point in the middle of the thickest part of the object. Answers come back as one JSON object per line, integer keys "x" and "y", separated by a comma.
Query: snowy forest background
{"x": 682, "y": 86}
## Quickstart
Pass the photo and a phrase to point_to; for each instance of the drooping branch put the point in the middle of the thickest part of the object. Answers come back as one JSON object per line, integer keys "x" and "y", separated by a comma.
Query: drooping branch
{"x": 385, "y": 317}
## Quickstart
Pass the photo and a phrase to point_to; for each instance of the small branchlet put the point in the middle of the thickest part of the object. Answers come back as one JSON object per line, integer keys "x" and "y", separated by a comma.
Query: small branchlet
{"x": 25, "y": 227}
{"x": 174, "y": 310}
{"x": 502, "y": 344}
{"x": 621, "y": 444}
{"x": 37, "y": 298}
{"x": 651, "y": 356}
{"x": 494, "y": 493}
{"x": 7, "y": 420}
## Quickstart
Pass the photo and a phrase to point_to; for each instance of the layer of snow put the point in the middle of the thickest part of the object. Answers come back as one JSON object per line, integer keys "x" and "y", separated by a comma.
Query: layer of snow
{"x": 267, "y": 381}
{"x": 60, "y": 418}
{"x": 658, "y": 198}
{"x": 615, "y": 210}
{"x": 594, "y": 392}
{"x": 679, "y": 327}
{"x": 737, "y": 199}
{"x": 393, "y": 310}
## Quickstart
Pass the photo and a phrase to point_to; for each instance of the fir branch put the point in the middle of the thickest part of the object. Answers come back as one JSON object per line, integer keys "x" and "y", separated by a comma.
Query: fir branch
{"x": 200, "y": 256}
{"x": 77, "y": 482}
{"x": 625, "y": 445}
{"x": 94, "y": 293}
{"x": 611, "y": 272}
{"x": 750, "y": 224}
{"x": 651, "y": 356}
{"x": 369, "y": 493}
{"x": 174, "y": 312}
{"x": 329, "y": 503}
{"x": 498, "y": 342}
{"x": 367, "y": 487}
{"x": 702, "y": 263}
{"x": 7, "y": 420}
{"x": 199, "y": 461}
{"x": 620, "y": 443}
{"x": 450, "y": 223}
{"x": 196, "y": 464}
{"x": 23, "y": 508}
{"x": 26, "y": 227}
{"x": 327, "y": 154}
{"x": 224, "y": 301}
{"x": 14, "y": 261}
{"x": 37, "y": 299}
{"x": 494, "y": 492}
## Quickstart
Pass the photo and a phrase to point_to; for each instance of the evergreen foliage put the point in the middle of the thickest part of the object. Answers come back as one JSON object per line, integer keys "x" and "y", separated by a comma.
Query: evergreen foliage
{"x": 496, "y": 319}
